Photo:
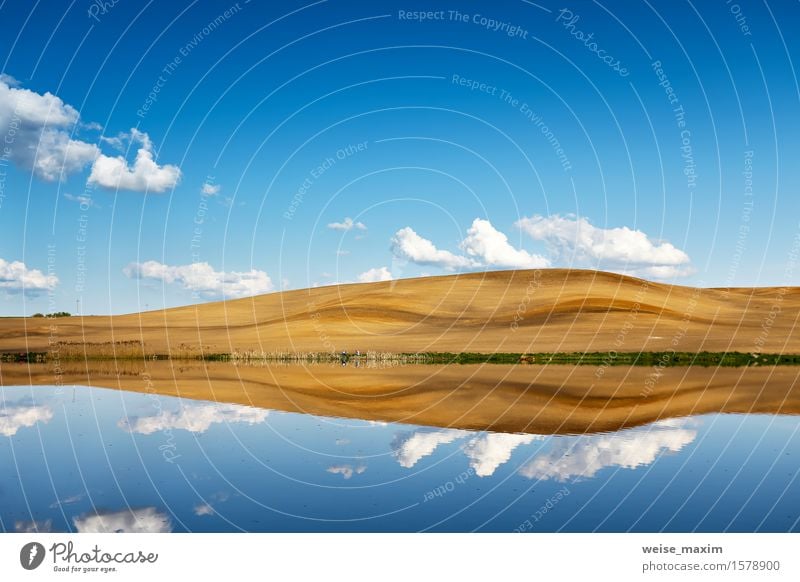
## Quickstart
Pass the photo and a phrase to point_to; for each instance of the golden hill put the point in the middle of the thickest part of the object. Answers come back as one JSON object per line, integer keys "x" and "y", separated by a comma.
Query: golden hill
{"x": 552, "y": 310}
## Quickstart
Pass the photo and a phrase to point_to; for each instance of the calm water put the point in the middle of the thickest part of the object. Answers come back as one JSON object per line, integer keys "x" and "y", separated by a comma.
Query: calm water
{"x": 88, "y": 459}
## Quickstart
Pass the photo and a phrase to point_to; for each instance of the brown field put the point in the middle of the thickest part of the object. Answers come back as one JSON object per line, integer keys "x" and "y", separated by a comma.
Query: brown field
{"x": 555, "y": 310}
{"x": 518, "y": 398}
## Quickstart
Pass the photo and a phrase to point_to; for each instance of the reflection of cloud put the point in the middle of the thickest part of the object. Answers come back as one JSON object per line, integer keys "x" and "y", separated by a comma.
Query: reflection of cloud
{"x": 486, "y": 451}
{"x": 34, "y": 526}
{"x": 490, "y": 450}
{"x": 15, "y": 417}
{"x": 409, "y": 447}
{"x": 584, "y": 456}
{"x": 196, "y": 418}
{"x": 144, "y": 520}
{"x": 205, "y": 508}
{"x": 67, "y": 500}
{"x": 346, "y": 471}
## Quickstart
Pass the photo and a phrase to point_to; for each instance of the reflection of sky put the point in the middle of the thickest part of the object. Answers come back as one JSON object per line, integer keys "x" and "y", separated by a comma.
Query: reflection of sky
{"x": 106, "y": 461}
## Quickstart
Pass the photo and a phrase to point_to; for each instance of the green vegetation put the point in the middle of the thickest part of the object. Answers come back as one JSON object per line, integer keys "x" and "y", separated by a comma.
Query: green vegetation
{"x": 54, "y": 314}
{"x": 134, "y": 351}
{"x": 735, "y": 359}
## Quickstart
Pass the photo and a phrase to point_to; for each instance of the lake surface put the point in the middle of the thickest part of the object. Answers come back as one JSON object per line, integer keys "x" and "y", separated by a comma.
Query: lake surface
{"x": 93, "y": 459}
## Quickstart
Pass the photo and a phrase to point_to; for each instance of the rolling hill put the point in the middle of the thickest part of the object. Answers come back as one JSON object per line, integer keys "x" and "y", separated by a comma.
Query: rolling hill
{"x": 552, "y": 310}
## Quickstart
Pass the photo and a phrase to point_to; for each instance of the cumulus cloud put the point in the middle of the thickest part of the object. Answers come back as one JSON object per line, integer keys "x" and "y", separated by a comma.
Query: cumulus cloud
{"x": 490, "y": 450}
{"x": 195, "y": 418}
{"x": 409, "y": 447}
{"x": 16, "y": 416}
{"x": 484, "y": 247}
{"x": 16, "y": 277}
{"x": 346, "y": 471}
{"x": 37, "y": 129}
{"x": 376, "y": 274}
{"x": 346, "y": 225}
{"x": 210, "y": 189}
{"x": 492, "y": 249}
{"x": 620, "y": 248}
{"x": 144, "y": 520}
{"x": 408, "y": 245}
{"x": 584, "y": 456}
{"x": 202, "y": 279}
{"x": 144, "y": 176}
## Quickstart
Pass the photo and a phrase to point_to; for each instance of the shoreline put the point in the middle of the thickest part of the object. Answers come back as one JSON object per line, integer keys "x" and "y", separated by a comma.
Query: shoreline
{"x": 611, "y": 358}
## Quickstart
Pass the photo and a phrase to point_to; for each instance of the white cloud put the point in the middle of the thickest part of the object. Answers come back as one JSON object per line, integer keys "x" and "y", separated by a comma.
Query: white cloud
{"x": 16, "y": 277}
{"x": 34, "y": 526}
{"x": 117, "y": 142}
{"x": 83, "y": 200}
{"x": 145, "y": 175}
{"x": 210, "y": 189}
{"x": 490, "y": 450}
{"x": 346, "y": 471}
{"x": 492, "y": 249}
{"x": 17, "y": 416}
{"x": 376, "y": 274}
{"x": 202, "y": 279}
{"x": 144, "y": 520}
{"x": 484, "y": 246}
{"x": 195, "y": 418}
{"x": 347, "y": 224}
{"x": 409, "y": 447}
{"x": 620, "y": 248}
{"x": 91, "y": 126}
{"x": 408, "y": 245}
{"x": 37, "y": 130}
{"x": 584, "y": 456}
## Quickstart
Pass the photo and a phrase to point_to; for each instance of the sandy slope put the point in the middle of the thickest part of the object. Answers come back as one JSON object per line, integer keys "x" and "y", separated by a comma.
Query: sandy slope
{"x": 555, "y": 310}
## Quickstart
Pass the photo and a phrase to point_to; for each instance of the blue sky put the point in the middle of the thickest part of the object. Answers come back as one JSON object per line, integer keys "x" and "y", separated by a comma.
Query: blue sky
{"x": 167, "y": 153}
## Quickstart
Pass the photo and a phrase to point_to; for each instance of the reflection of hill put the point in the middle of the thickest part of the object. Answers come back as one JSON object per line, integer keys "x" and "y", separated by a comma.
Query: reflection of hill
{"x": 515, "y": 399}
